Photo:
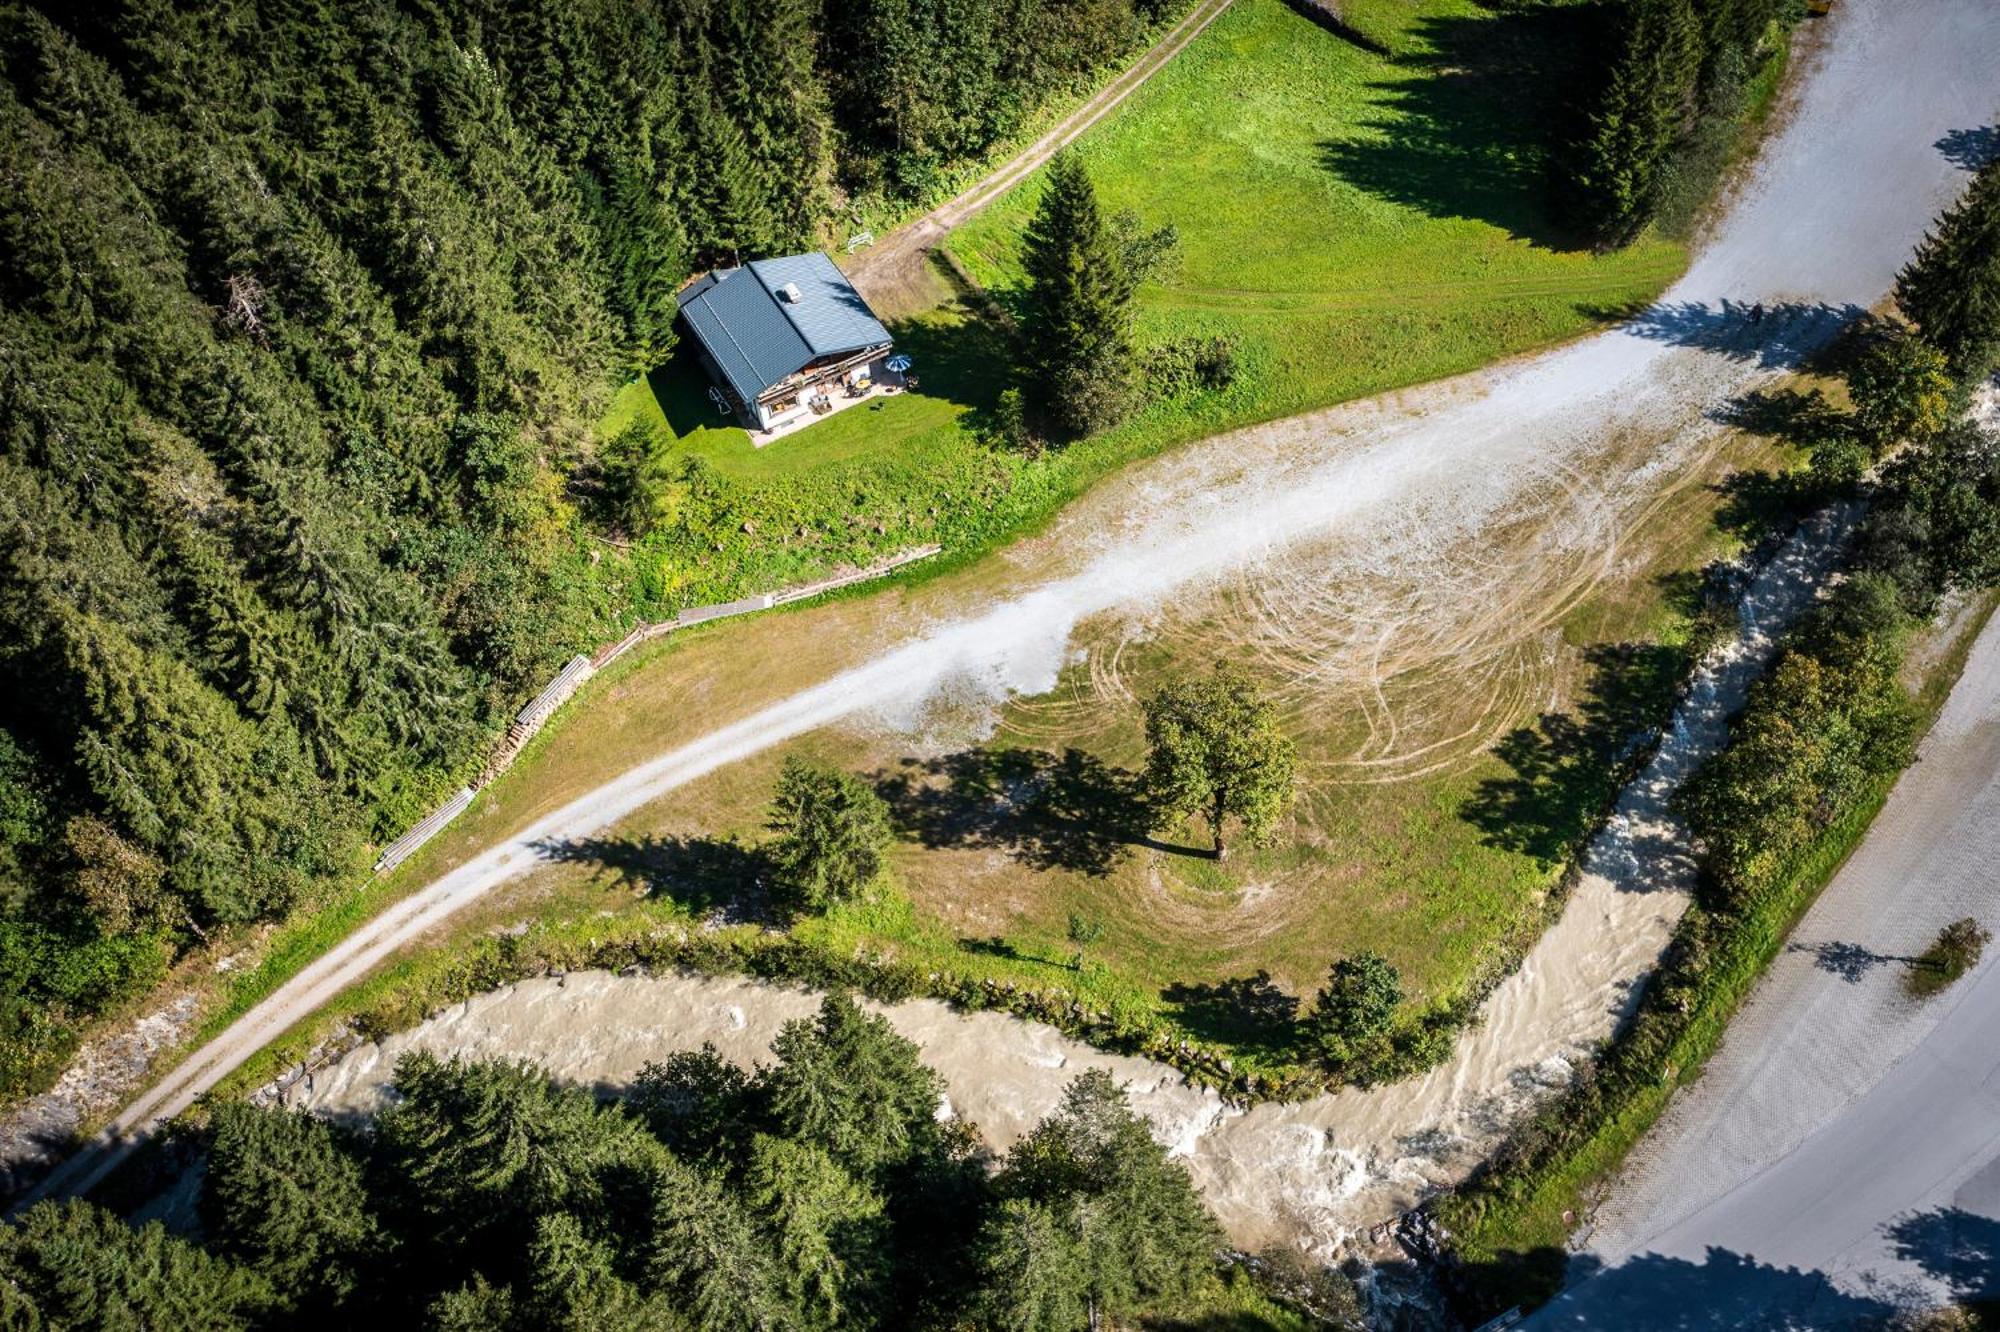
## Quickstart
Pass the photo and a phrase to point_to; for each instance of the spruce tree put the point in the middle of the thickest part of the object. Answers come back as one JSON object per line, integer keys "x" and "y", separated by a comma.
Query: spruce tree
{"x": 849, "y": 1085}
{"x": 75, "y": 1265}
{"x": 1952, "y": 287}
{"x": 827, "y": 1232}
{"x": 832, "y": 833}
{"x": 1140, "y": 1233}
{"x": 285, "y": 1196}
{"x": 1614, "y": 173}
{"x": 1076, "y": 347}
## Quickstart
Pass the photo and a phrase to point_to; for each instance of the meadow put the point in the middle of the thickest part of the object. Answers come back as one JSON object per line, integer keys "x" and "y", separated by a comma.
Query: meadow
{"x": 1353, "y": 223}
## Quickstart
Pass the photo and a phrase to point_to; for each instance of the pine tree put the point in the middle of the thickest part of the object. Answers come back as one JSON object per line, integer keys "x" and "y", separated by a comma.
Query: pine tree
{"x": 75, "y": 1265}
{"x": 706, "y": 1254}
{"x": 285, "y": 1197}
{"x": 1031, "y": 1277}
{"x": 1141, "y": 1236}
{"x": 850, "y": 1086}
{"x": 1076, "y": 349}
{"x": 1614, "y": 173}
{"x": 832, "y": 833}
{"x": 1952, "y": 287}
{"x": 573, "y": 1284}
{"x": 828, "y": 1234}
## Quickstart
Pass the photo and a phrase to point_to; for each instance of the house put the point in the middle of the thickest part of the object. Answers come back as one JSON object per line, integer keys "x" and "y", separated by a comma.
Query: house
{"x": 784, "y": 339}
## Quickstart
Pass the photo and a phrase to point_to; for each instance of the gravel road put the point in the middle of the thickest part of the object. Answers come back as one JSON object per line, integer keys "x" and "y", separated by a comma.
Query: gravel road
{"x": 1839, "y": 1158}
{"x": 1816, "y": 232}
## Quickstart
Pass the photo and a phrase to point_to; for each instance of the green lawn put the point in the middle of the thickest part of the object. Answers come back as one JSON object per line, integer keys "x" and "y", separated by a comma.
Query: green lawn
{"x": 1356, "y": 223}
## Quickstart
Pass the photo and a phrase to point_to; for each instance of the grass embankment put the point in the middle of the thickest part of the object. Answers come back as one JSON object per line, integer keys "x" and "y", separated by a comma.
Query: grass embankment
{"x": 1356, "y": 223}
{"x": 1510, "y": 1225}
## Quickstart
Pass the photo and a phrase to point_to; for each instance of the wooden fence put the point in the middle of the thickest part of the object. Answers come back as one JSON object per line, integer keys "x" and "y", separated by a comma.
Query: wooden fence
{"x": 531, "y": 718}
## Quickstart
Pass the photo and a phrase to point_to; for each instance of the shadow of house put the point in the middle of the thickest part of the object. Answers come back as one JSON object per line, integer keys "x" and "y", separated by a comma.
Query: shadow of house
{"x": 704, "y": 874}
{"x": 1069, "y": 811}
{"x": 1567, "y": 767}
{"x": 1468, "y": 125}
{"x": 1970, "y": 149}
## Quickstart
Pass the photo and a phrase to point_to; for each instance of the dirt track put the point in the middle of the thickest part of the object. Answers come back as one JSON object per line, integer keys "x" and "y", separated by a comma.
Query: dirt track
{"x": 1389, "y": 491}
{"x": 892, "y": 273}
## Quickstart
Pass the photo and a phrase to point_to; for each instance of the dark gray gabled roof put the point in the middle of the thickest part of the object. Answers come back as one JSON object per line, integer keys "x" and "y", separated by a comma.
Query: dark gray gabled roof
{"x": 757, "y": 338}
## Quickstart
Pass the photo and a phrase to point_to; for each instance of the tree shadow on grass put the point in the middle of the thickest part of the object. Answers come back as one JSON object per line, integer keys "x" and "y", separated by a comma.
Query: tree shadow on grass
{"x": 1567, "y": 766}
{"x": 705, "y": 874}
{"x": 1802, "y": 420}
{"x": 1068, "y": 811}
{"x": 1758, "y": 504}
{"x": 1250, "y": 1013}
{"x": 1466, "y": 125}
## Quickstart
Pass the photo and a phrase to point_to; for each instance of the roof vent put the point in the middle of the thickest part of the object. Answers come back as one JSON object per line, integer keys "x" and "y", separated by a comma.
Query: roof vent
{"x": 789, "y": 293}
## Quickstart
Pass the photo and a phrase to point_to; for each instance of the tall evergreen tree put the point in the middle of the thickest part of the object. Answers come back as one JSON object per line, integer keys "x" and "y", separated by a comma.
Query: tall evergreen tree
{"x": 1613, "y": 174}
{"x": 1952, "y": 287}
{"x": 848, "y": 1084}
{"x": 1076, "y": 345}
{"x": 832, "y": 835}
{"x": 827, "y": 1232}
{"x": 285, "y": 1197}
{"x": 1141, "y": 1236}
{"x": 76, "y": 1266}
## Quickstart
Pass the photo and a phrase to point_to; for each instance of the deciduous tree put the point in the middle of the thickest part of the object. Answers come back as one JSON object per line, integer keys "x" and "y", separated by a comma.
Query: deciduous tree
{"x": 1215, "y": 748}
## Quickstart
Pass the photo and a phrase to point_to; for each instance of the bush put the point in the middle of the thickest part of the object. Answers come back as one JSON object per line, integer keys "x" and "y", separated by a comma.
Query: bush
{"x": 1191, "y": 365}
{"x": 1348, "y": 1027}
{"x": 1955, "y": 952}
{"x": 1902, "y": 390}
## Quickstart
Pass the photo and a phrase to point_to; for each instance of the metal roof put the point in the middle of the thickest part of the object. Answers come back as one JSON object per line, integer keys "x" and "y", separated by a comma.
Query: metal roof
{"x": 757, "y": 338}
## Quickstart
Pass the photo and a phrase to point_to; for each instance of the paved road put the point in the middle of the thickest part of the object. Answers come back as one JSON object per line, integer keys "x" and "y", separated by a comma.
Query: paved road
{"x": 1840, "y": 1158}
{"x": 890, "y": 273}
{"x": 1835, "y": 203}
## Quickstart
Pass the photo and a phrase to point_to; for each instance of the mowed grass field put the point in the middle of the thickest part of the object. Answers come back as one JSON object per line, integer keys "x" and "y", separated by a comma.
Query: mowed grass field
{"x": 1355, "y": 223}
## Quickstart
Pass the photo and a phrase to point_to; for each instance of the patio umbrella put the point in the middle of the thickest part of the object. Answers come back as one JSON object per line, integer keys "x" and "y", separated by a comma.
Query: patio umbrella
{"x": 898, "y": 363}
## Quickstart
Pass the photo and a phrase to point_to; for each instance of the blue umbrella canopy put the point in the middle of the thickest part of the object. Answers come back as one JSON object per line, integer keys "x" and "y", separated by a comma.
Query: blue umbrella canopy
{"x": 899, "y": 363}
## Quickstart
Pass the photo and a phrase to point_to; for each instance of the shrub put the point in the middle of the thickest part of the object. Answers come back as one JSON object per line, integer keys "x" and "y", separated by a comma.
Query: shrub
{"x": 1348, "y": 1027}
{"x": 1956, "y": 951}
{"x": 1191, "y": 365}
